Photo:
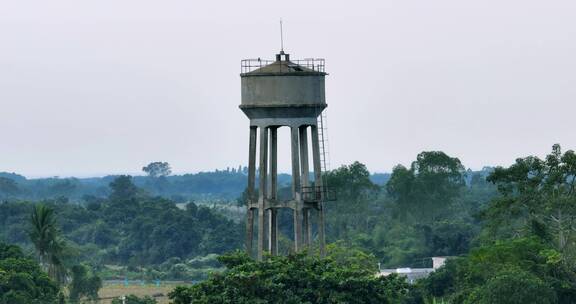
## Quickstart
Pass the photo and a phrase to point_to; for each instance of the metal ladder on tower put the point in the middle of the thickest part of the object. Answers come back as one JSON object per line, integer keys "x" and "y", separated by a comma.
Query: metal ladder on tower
{"x": 324, "y": 148}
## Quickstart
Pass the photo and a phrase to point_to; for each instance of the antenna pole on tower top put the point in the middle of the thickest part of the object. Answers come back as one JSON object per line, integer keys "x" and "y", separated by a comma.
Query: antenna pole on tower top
{"x": 281, "y": 37}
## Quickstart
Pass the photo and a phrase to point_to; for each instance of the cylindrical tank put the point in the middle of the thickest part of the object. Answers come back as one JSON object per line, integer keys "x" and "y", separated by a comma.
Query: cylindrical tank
{"x": 283, "y": 88}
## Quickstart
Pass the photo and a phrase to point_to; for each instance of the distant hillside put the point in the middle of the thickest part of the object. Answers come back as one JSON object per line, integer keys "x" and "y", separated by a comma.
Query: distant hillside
{"x": 214, "y": 185}
{"x": 220, "y": 184}
{"x": 380, "y": 178}
{"x": 12, "y": 176}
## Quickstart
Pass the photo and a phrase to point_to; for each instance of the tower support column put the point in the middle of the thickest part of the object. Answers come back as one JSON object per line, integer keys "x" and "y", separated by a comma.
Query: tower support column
{"x": 251, "y": 182}
{"x": 304, "y": 156}
{"x": 296, "y": 188}
{"x": 263, "y": 176}
{"x": 305, "y": 180}
{"x": 273, "y": 193}
{"x": 309, "y": 226}
{"x": 295, "y": 149}
{"x": 306, "y": 227}
{"x": 249, "y": 230}
{"x": 273, "y": 231}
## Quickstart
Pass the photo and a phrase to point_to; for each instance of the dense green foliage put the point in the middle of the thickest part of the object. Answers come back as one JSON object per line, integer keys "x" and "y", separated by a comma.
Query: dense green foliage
{"x": 129, "y": 227}
{"x": 157, "y": 169}
{"x": 523, "y": 268}
{"x": 299, "y": 278}
{"x": 427, "y": 191}
{"x": 49, "y": 245}
{"x": 426, "y": 210}
{"x": 83, "y": 284}
{"x": 22, "y": 281}
{"x": 526, "y": 250}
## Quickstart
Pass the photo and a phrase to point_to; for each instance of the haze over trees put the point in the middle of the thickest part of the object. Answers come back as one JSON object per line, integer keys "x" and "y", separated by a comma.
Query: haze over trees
{"x": 426, "y": 210}
{"x": 216, "y": 185}
{"x": 510, "y": 233}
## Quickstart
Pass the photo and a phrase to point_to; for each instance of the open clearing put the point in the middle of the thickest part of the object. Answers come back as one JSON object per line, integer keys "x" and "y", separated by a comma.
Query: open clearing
{"x": 110, "y": 291}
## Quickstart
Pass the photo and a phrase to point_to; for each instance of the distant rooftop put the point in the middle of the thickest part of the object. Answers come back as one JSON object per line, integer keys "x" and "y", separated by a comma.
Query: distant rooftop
{"x": 413, "y": 274}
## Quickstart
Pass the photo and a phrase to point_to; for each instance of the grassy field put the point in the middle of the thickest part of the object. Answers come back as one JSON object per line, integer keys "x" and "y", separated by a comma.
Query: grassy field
{"x": 118, "y": 290}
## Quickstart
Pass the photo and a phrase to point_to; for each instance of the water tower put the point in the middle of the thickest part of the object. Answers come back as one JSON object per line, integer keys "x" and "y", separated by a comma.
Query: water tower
{"x": 285, "y": 93}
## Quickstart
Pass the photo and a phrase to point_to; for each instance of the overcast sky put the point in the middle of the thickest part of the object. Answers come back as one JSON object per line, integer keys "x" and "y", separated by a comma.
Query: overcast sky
{"x": 90, "y": 88}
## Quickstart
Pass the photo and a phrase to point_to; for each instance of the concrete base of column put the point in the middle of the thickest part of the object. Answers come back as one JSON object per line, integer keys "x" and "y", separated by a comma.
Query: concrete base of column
{"x": 273, "y": 231}
{"x": 249, "y": 231}
{"x": 297, "y": 230}
{"x": 306, "y": 227}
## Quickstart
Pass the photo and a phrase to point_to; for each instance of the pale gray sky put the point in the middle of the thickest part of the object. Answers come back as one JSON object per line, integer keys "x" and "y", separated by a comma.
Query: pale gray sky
{"x": 97, "y": 87}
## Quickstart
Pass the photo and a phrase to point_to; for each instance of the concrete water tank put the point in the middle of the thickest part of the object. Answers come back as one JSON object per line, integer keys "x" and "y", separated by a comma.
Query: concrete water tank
{"x": 283, "y": 88}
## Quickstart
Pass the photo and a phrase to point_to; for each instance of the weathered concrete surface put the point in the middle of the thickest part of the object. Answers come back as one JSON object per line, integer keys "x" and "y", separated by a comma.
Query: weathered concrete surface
{"x": 263, "y": 176}
{"x": 283, "y": 90}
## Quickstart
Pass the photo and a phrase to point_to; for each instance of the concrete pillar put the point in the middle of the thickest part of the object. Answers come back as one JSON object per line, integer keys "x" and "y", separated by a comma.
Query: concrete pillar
{"x": 304, "y": 170}
{"x": 307, "y": 228}
{"x": 304, "y": 156}
{"x": 273, "y": 163}
{"x": 249, "y": 230}
{"x": 295, "y": 164}
{"x": 296, "y": 189}
{"x": 251, "y": 184}
{"x": 263, "y": 176}
{"x": 273, "y": 192}
{"x": 319, "y": 186}
{"x": 321, "y": 234}
{"x": 273, "y": 231}
{"x": 297, "y": 229}
{"x": 252, "y": 163}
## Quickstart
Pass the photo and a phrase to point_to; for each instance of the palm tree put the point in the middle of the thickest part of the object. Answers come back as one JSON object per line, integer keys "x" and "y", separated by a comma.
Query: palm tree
{"x": 56, "y": 267}
{"x": 49, "y": 245}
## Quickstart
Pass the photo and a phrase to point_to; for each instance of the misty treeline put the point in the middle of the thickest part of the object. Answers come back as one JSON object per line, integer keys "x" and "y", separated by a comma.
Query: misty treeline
{"x": 219, "y": 184}
{"x": 226, "y": 184}
{"x": 510, "y": 233}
